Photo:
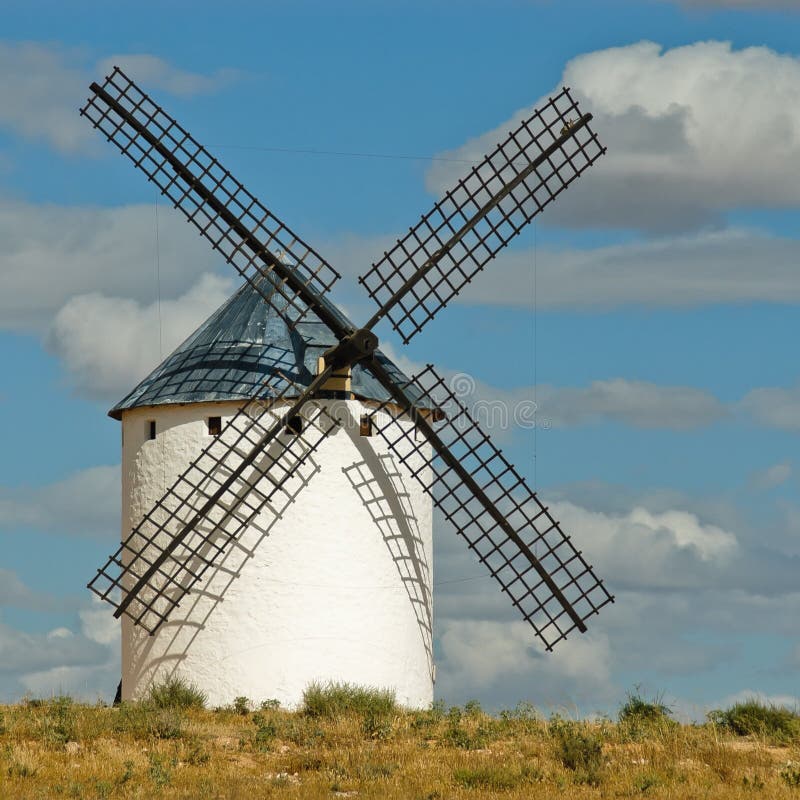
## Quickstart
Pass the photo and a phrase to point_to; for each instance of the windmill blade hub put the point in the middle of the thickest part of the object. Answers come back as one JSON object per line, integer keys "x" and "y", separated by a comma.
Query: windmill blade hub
{"x": 359, "y": 346}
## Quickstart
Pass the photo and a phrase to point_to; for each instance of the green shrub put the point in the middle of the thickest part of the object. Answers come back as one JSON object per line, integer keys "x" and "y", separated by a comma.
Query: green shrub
{"x": 523, "y": 718}
{"x": 176, "y": 693}
{"x": 270, "y": 705}
{"x": 144, "y": 721}
{"x": 638, "y": 709}
{"x": 754, "y": 718}
{"x": 498, "y": 777}
{"x": 790, "y": 774}
{"x": 462, "y": 736}
{"x": 639, "y": 716}
{"x": 332, "y": 700}
{"x": 58, "y": 721}
{"x": 266, "y": 731}
{"x": 578, "y": 749}
{"x": 377, "y": 726}
{"x": 429, "y": 718}
{"x": 160, "y": 769}
{"x": 241, "y": 705}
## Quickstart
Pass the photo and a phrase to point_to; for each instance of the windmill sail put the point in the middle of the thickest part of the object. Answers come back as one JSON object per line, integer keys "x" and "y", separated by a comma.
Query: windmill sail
{"x": 245, "y": 232}
{"x": 486, "y": 209}
{"x": 264, "y": 449}
{"x": 503, "y": 522}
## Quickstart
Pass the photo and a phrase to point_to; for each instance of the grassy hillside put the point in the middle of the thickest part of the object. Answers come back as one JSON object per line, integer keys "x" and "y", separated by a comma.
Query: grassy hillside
{"x": 348, "y": 742}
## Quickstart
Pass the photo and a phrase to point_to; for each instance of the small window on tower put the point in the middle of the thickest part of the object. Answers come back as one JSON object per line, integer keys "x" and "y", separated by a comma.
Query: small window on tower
{"x": 214, "y": 426}
{"x": 365, "y": 425}
{"x": 151, "y": 428}
{"x": 295, "y": 425}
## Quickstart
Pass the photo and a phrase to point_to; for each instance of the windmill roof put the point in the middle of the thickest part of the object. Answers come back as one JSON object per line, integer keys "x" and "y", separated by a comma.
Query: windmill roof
{"x": 238, "y": 347}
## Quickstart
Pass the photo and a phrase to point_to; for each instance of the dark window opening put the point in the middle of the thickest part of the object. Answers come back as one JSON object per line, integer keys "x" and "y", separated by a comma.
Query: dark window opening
{"x": 214, "y": 426}
{"x": 365, "y": 425}
{"x": 151, "y": 429}
{"x": 295, "y": 425}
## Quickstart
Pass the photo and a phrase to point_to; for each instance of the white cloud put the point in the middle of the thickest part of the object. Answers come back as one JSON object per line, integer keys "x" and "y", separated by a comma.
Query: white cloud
{"x": 108, "y": 344}
{"x": 637, "y": 403}
{"x": 672, "y": 272}
{"x": 774, "y": 407}
{"x": 691, "y": 133}
{"x": 493, "y": 659}
{"x": 43, "y": 86}
{"x": 772, "y": 476}
{"x": 13, "y": 592}
{"x": 52, "y": 253}
{"x": 85, "y": 503}
{"x": 22, "y": 652}
{"x": 98, "y": 623}
{"x": 676, "y": 576}
{"x": 154, "y": 73}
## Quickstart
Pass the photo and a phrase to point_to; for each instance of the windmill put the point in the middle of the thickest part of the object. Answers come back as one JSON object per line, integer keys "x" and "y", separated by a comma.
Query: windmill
{"x": 259, "y": 457}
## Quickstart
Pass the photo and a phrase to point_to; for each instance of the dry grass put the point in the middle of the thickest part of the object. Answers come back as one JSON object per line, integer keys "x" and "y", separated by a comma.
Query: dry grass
{"x": 60, "y": 749}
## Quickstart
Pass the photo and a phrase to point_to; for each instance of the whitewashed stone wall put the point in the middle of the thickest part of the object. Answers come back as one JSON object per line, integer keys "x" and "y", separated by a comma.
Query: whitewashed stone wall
{"x": 336, "y": 586}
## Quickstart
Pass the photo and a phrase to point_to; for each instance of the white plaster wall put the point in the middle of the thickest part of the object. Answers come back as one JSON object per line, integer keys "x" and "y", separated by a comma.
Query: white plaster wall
{"x": 335, "y": 585}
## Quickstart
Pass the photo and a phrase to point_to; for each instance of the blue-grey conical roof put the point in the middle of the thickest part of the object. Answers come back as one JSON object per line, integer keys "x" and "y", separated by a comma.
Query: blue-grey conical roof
{"x": 231, "y": 354}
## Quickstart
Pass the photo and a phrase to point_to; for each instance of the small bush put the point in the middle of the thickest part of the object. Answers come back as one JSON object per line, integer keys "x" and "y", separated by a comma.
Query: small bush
{"x": 790, "y": 775}
{"x": 638, "y": 709}
{"x": 497, "y": 778}
{"x": 460, "y": 735}
{"x": 241, "y": 705}
{"x": 332, "y": 700}
{"x": 429, "y": 718}
{"x": 176, "y": 693}
{"x": 754, "y": 718}
{"x": 646, "y": 781}
{"x": 196, "y": 753}
{"x": 578, "y": 749}
{"x": 144, "y": 721}
{"x": 266, "y": 731}
{"x": 270, "y": 705}
{"x": 523, "y": 718}
{"x": 58, "y": 721}
{"x": 639, "y": 717}
{"x": 377, "y": 726}
{"x": 160, "y": 769}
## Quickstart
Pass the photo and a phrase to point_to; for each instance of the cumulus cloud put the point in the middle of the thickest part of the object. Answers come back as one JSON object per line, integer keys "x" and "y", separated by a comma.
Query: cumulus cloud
{"x": 108, "y": 344}
{"x": 731, "y": 266}
{"x": 691, "y": 132}
{"x": 14, "y": 593}
{"x": 85, "y": 503}
{"x": 44, "y": 85}
{"x": 774, "y": 407}
{"x": 636, "y": 403}
{"x": 772, "y": 476}
{"x": 22, "y": 652}
{"x": 156, "y": 73}
{"x": 675, "y": 573}
{"x": 52, "y": 253}
{"x": 489, "y": 656}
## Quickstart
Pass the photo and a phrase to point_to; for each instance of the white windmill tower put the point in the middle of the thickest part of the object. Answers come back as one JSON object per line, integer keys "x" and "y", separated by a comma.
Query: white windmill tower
{"x": 269, "y": 538}
{"x": 264, "y": 625}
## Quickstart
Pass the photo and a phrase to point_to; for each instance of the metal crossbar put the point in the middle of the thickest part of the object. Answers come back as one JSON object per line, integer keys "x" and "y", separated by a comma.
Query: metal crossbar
{"x": 170, "y": 549}
{"x": 490, "y": 505}
{"x": 252, "y": 239}
{"x": 487, "y": 208}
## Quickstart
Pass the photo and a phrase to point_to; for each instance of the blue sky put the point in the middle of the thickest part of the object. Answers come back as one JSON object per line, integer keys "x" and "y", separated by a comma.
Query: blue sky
{"x": 660, "y": 335}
